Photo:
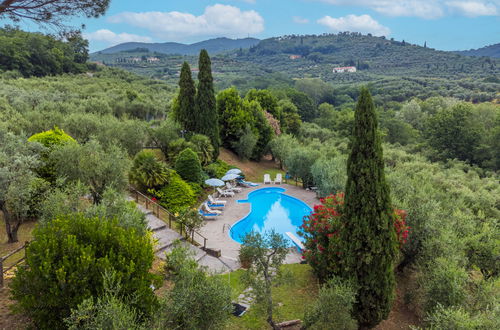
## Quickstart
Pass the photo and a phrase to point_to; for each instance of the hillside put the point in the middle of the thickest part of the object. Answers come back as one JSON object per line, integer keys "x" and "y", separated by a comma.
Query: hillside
{"x": 396, "y": 68}
{"x": 213, "y": 46}
{"x": 491, "y": 51}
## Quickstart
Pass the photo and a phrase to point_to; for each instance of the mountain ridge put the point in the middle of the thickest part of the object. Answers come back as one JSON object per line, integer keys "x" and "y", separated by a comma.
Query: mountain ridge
{"x": 490, "y": 51}
{"x": 215, "y": 46}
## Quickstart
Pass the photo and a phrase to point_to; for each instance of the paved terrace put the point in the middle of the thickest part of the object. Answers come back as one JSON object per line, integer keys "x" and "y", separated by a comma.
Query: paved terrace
{"x": 217, "y": 231}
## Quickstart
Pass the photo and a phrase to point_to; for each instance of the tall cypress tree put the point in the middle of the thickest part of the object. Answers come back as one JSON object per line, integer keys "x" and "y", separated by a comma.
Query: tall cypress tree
{"x": 208, "y": 117}
{"x": 369, "y": 236}
{"x": 184, "y": 109}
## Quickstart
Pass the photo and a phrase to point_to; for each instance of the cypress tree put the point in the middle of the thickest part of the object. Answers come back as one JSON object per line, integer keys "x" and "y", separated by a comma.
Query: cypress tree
{"x": 184, "y": 109}
{"x": 208, "y": 117}
{"x": 369, "y": 235}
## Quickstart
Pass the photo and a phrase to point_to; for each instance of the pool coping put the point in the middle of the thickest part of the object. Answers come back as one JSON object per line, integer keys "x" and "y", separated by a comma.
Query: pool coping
{"x": 216, "y": 230}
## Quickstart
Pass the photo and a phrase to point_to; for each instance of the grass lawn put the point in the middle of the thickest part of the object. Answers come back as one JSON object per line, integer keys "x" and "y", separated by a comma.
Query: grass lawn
{"x": 291, "y": 299}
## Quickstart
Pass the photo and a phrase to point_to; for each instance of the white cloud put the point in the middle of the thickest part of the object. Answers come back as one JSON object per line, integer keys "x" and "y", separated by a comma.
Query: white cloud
{"x": 112, "y": 38}
{"x": 473, "y": 8}
{"x": 353, "y": 23}
{"x": 217, "y": 20}
{"x": 300, "y": 20}
{"x": 427, "y": 9}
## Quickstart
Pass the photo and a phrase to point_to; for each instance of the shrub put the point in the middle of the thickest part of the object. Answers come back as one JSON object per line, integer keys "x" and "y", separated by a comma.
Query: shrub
{"x": 333, "y": 308}
{"x": 147, "y": 170}
{"x": 217, "y": 169}
{"x": 51, "y": 140}
{"x": 188, "y": 166}
{"x": 176, "y": 196}
{"x": 65, "y": 263}
{"x": 197, "y": 301}
{"x": 246, "y": 143}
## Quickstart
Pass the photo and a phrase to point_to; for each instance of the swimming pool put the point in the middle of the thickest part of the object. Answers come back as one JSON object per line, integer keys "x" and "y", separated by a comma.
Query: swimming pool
{"x": 270, "y": 209}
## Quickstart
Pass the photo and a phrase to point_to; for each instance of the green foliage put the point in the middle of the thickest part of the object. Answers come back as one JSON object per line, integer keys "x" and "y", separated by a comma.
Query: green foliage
{"x": 299, "y": 163}
{"x": 266, "y": 100}
{"x": 217, "y": 169}
{"x": 51, "y": 140}
{"x": 263, "y": 129}
{"x": 281, "y": 147}
{"x": 333, "y": 308}
{"x": 35, "y": 54}
{"x": 265, "y": 255}
{"x": 184, "y": 108}
{"x": 191, "y": 218}
{"x": 340, "y": 121}
{"x": 329, "y": 175}
{"x": 176, "y": 147}
{"x": 246, "y": 144}
{"x": 177, "y": 195}
{"x": 97, "y": 167}
{"x": 453, "y": 134}
{"x": 369, "y": 236}
{"x": 232, "y": 116}
{"x": 206, "y": 106}
{"x": 188, "y": 166}
{"x": 197, "y": 301}
{"x": 164, "y": 134}
{"x": 147, "y": 170}
{"x": 203, "y": 147}
{"x": 65, "y": 263}
{"x": 457, "y": 318}
{"x": 108, "y": 311}
{"x": 290, "y": 119}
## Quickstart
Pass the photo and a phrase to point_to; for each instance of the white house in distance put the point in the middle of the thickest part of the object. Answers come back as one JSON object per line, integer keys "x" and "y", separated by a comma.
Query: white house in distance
{"x": 344, "y": 69}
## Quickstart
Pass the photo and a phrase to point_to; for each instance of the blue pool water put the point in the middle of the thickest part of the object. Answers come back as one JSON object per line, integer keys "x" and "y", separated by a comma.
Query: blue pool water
{"x": 270, "y": 209}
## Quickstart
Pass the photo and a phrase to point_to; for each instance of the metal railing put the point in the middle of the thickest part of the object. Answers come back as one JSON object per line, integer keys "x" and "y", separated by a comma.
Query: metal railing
{"x": 171, "y": 220}
{"x": 5, "y": 269}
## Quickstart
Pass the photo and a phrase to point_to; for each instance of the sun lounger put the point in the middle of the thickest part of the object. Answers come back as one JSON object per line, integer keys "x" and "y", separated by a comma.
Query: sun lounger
{"x": 231, "y": 188}
{"x": 247, "y": 184}
{"x": 279, "y": 179}
{"x": 225, "y": 193}
{"x": 296, "y": 241}
{"x": 209, "y": 210}
{"x": 208, "y": 216}
{"x": 267, "y": 179}
{"x": 215, "y": 206}
{"x": 216, "y": 201}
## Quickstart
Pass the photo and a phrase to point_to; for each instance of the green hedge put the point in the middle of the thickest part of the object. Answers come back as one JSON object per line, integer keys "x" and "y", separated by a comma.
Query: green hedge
{"x": 66, "y": 261}
{"x": 177, "y": 195}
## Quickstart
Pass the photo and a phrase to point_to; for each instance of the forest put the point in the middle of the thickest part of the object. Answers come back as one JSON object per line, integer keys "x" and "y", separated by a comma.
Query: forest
{"x": 75, "y": 135}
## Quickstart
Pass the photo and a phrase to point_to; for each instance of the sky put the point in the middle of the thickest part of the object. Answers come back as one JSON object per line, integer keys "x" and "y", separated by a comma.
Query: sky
{"x": 443, "y": 24}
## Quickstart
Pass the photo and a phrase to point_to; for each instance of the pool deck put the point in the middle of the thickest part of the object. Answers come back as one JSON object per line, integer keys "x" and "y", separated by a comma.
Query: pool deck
{"x": 217, "y": 231}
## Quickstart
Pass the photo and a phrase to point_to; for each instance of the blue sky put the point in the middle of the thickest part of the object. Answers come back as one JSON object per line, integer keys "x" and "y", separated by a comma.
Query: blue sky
{"x": 443, "y": 24}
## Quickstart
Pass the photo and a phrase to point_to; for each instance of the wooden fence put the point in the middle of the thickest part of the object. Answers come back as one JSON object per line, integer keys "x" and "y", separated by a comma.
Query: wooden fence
{"x": 173, "y": 223}
{"x": 3, "y": 265}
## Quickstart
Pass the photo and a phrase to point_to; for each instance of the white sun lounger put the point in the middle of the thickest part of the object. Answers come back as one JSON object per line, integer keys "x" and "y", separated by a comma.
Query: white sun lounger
{"x": 296, "y": 241}
{"x": 216, "y": 201}
{"x": 225, "y": 193}
{"x": 209, "y": 210}
{"x": 267, "y": 179}
{"x": 279, "y": 179}
{"x": 231, "y": 188}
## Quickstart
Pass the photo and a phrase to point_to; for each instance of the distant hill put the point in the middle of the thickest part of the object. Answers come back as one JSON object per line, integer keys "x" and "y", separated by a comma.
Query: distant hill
{"x": 491, "y": 51}
{"x": 213, "y": 46}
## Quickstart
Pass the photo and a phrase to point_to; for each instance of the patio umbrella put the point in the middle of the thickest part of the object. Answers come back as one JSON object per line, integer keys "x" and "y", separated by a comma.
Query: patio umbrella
{"x": 234, "y": 171}
{"x": 229, "y": 177}
{"x": 214, "y": 183}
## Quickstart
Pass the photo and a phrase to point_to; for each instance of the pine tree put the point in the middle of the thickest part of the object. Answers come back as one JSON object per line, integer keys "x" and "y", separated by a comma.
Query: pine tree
{"x": 206, "y": 107}
{"x": 184, "y": 109}
{"x": 369, "y": 236}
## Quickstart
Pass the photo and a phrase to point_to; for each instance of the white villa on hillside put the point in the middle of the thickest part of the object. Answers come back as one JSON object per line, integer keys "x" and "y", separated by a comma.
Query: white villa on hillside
{"x": 344, "y": 69}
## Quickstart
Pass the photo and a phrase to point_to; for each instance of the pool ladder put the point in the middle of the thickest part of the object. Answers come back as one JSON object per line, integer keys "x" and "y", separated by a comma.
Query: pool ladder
{"x": 228, "y": 227}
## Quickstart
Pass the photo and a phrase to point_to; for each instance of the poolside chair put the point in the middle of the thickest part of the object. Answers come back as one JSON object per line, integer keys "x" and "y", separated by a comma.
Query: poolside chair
{"x": 216, "y": 201}
{"x": 208, "y": 216}
{"x": 231, "y": 188}
{"x": 225, "y": 193}
{"x": 267, "y": 179}
{"x": 209, "y": 210}
{"x": 279, "y": 179}
{"x": 216, "y": 206}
